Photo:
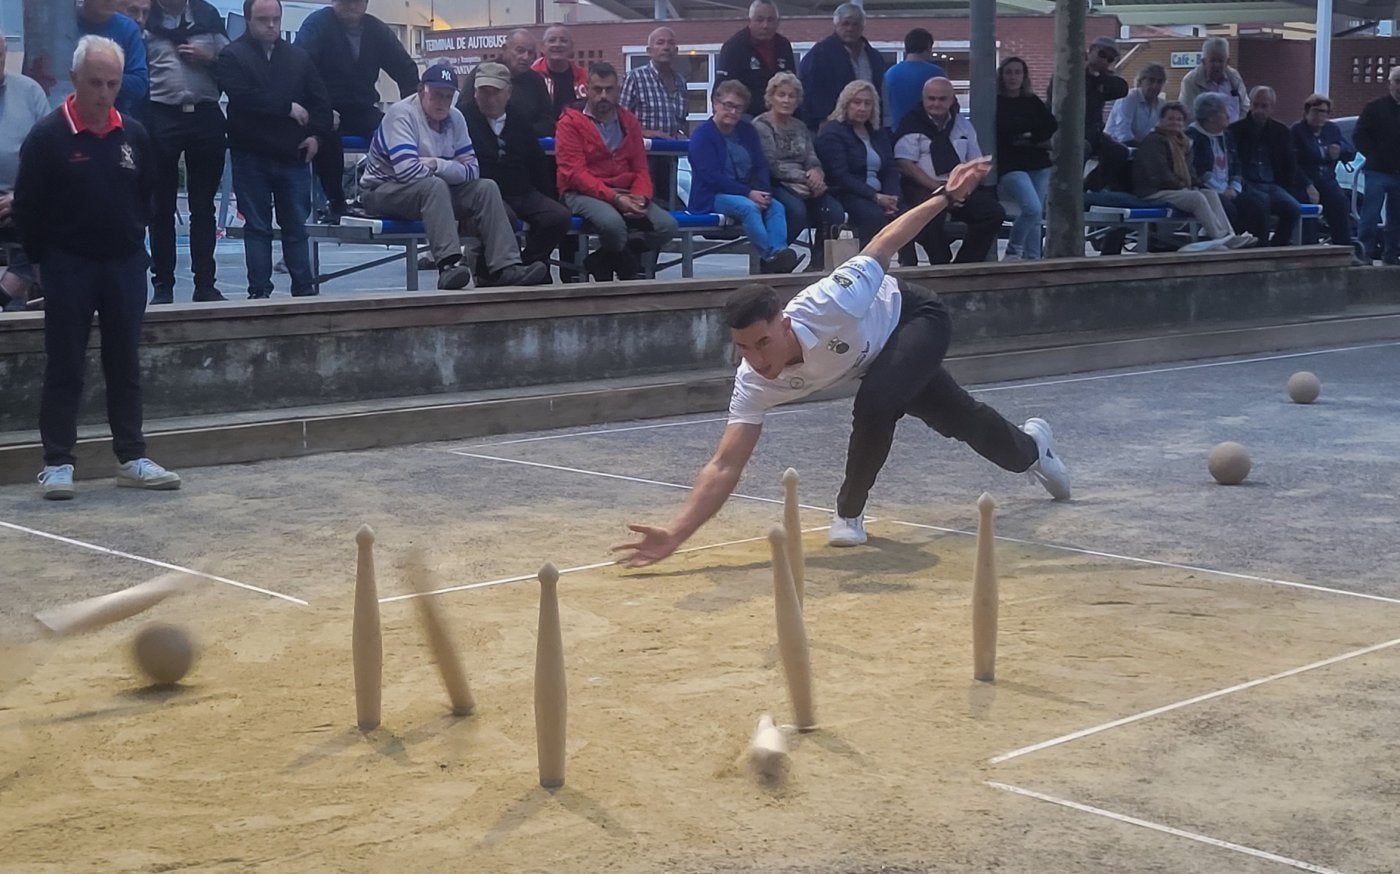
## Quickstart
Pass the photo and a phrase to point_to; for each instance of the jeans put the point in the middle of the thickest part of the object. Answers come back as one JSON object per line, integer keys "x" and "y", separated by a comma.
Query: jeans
{"x": 1261, "y": 199}
{"x": 817, "y": 212}
{"x": 258, "y": 181}
{"x": 199, "y": 135}
{"x": 1028, "y": 190}
{"x": 766, "y": 228}
{"x": 1381, "y": 187}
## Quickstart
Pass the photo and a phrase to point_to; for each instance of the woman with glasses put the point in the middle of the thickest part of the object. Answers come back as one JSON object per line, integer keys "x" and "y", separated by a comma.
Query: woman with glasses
{"x": 1319, "y": 145}
{"x": 859, "y": 160}
{"x": 1024, "y": 129}
{"x": 729, "y": 175}
{"x": 1162, "y": 171}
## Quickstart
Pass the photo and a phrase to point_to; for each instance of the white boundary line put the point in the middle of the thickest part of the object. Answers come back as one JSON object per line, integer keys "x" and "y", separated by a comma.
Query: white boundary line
{"x": 151, "y": 561}
{"x": 598, "y": 431}
{"x": 1164, "y": 829}
{"x": 1219, "y": 693}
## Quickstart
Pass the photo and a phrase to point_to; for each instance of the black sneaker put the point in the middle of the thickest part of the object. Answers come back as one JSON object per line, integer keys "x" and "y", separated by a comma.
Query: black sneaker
{"x": 533, "y": 273}
{"x": 259, "y": 295}
{"x": 162, "y": 294}
{"x": 783, "y": 261}
{"x": 454, "y": 277}
{"x": 207, "y": 295}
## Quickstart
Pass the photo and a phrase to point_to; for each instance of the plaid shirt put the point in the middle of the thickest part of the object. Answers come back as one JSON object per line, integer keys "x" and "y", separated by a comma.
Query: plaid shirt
{"x": 645, "y": 96}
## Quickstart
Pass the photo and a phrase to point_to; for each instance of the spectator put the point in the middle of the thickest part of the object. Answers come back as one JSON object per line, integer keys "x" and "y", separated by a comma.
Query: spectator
{"x": 349, "y": 48}
{"x": 1101, "y": 86}
{"x": 82, "y": 202}
{"x": 1269, "y": 168}
{"x": 1214, "y": 158}
{"x": 22, "y": 105}
{"x": 1024, "y": 128}
{"x": 510, "y": 156}
{"x": 530, "y": 101}
{"x": 1378, "y": 138}
{"x": 799, "y": 182}
{"x": 278, "y": 113}
{"x": 756, "y": 54}
{"x": 95, "y": 18}
{"x": 1215, "y": 75}
{"x": 837, "y": 61}
{"x": 1319, "y": 144}
{"x": 1135, "y": 116}
{"x": 138, "y": 11}
{"x": 929, "y": 143}
{"x": 183, "y": 41}
{"x": 657, "y": 96}
{"x": 566, "y": 81}
{"x": 603, "y": 178}
{"x": 904, "y": 82}
{"x": 1162, "y": 171}
{"x": 730, "y": 177}
{"x": 859, "y": 160}
{"x": 422, "y": 167}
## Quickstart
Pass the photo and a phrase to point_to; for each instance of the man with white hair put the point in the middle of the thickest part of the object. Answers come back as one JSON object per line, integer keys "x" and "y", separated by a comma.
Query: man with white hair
{"x": 1215, "y": 75}
{"x": 93, "y": 260}
{"x": 837, "y": 61}
{"x": 756, "y": 54}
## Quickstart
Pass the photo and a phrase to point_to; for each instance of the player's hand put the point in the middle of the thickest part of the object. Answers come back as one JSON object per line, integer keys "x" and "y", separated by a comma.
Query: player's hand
{"x": 656, "y": 544}
{"x": 966, "y": 177}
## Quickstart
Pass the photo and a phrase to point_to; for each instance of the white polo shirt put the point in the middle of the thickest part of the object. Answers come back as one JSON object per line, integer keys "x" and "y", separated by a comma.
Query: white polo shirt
{"x": 842, "y": 323}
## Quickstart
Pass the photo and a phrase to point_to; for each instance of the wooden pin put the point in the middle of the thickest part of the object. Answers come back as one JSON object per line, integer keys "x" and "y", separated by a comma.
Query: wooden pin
{"x": 103, "y": 610}
{"x": 366, "y": 637}
{"x": 449, "y": 663}
{"x": 792, "y": 528}
{"x": 792, "y": 635}
{"x": 551, "y": 690}
{"x": 984, "y": 596}
{"x": 768, "y": 751}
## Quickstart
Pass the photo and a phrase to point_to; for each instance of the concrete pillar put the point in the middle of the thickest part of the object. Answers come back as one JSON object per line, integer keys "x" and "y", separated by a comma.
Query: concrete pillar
{"x": 1322, "y": 49}
{"x": 983, "y": 50}
{"x": 659, "y": 10}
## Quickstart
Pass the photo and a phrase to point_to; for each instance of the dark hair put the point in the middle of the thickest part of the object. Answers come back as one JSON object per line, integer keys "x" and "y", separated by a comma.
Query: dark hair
{"x": 1026, "y": 89}
{"x": 602, "y": 70}
{"x": 248, "y": 8}
{"x": 1174, "y": 106}
{"x": 749, "y": 304}
{"x": 917, "y": 41}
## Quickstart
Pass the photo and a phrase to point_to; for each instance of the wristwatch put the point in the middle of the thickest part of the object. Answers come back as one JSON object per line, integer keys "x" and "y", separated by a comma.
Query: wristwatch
{"x": 943, "y": 190}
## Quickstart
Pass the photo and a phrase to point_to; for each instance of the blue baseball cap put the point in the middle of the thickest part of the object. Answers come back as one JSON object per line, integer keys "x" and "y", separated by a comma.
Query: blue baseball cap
{"x": 440, "y": 75}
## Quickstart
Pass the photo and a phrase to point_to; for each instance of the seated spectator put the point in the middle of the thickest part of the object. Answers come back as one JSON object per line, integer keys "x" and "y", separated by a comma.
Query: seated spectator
{"x": 1135, "y": 116}
{"x": 530, "y": 100}
{"x": 755, "y": 54}
{"x": 904, "y": 82}
{"x": 859, "y": 160}
{"x": 565, "y": 80}
{"x": 1162, "y": 171}
{"x": 1214, "y": 75}
{"x": 729, "y": 175}
{"x": 1214, "y": 159}
{"x": 22, "y": 104}
{"x": 510, "y": 155}
{"x": 1269, "y": 168}
{"x": 1318, "y": 145}
{"x": 1378, "y": 137}
{"x": 422, "y": 166}
{"x": 799, "y": 182}
{"x": 1024, "y": 129}
{"x": 835, "y": 62}
{"x": 603, "y": 178}
{"x": 657, "y": 96}
{"x": 930, "y": 141}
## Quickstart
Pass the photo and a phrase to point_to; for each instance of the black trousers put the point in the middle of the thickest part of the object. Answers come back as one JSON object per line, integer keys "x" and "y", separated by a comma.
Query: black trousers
{"x": 548, "y": 219}
{"x": 199, "y": 136}
{"x": 1336, "y": 210}
{"x": 1115, "y": 164}
{"x": 983, "y": 215}
{"x": 355, "y": 121}
{"x": 74, "y": 288}
{"x": 907, "y": 378}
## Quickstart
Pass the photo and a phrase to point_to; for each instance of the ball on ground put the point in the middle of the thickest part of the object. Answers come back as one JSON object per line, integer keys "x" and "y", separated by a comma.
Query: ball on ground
{"x": 1303, "y": 387}
{"x": 1228, "y": 463}
{"x": 163, "y": 652}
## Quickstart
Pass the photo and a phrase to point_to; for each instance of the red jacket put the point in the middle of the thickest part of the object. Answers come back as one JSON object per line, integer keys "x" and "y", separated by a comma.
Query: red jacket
{"x": 541, "y": 66}
{"x": 587, "y": 167}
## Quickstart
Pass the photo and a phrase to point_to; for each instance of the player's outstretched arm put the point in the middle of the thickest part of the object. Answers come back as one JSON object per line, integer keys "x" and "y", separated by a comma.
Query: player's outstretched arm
{"x": 897, "y": 234}
{"x": 712, "y": 488}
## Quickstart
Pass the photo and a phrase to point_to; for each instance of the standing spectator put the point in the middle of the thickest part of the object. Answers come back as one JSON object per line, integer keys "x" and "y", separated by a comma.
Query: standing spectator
{"x": 1215, "y": 75}
{"x": 859, "y": 160}
{"x": 1269, "y": 168}
{"x": 349, "y": 48}
{"x": 730, "y": 177}
{"x": 529, "y": 98}
{"x": 566, "y": 81}
{"x": 93, "y": 259}
{"x": 1378, "y": 138}
{"x": 510, "y": 155}
{"x": 603, "y": 178}
{"x": 278, "y": 113}
{"x": 799, "y": 182}
{"x": 1214, "y": 158}
{"x": 929, "y": 143}
{"x": 1318, "y": 145}
{"x": 138, "y": 11}
{"x": 1135, "y": 116}
{"x": 657, "y": 96}
{"x": 1162, "y": 171}
{"x": 96, "y": 18}
{"x": 183, "y": 41}
{"x": 756, "y": 54}
{"x": 22, "y": 105}
{"x": 904, "y": 82}
{"x": 1024, "y": 129}
{"x": 835, "y": 62}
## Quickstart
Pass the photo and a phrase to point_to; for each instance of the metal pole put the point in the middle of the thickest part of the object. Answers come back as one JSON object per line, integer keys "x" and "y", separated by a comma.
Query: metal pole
{"x": 1322, "y": 49}
{"x": 659, "y": 10}
{"x": 984, "y": 72}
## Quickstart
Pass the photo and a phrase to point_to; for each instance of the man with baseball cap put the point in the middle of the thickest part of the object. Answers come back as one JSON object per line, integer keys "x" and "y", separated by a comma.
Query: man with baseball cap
{"x": 422, "y": 166}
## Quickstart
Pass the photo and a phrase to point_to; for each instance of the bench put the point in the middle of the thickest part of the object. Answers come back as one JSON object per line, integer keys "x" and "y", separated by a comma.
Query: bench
{"x": 1142, "y": 220}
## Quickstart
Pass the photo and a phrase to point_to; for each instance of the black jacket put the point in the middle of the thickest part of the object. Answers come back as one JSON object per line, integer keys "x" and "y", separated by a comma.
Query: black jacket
{"x": 352, "y": 81}
{"x": 1271, "y": 142}
{"x": 518, "y": 168}
{"x": 1023, "y": 122}
{"x": 529, "y": 101}
{"x": 205, "y": 20}
{"x": 261, "y": 92}
{"x": 1098, "y": 91}
{"x": 738, "y": 60}
{"x": 843, "y": 157}
{"x": 1377, "y": 135}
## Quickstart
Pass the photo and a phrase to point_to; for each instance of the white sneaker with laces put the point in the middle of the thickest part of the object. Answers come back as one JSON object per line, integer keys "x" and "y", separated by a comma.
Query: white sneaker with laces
{"x": 1048, "y": 470}
{"x": 142, "y": 473}
{"x": 56, "y": 481}
{"x": 846, "y": 532}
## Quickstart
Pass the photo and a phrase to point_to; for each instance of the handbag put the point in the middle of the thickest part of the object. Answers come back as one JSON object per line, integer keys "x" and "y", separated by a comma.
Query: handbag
{"x": 841, "y": 245}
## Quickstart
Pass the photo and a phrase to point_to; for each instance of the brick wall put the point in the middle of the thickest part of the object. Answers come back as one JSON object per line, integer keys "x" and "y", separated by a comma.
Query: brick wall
{"x": 1359, "y": 70}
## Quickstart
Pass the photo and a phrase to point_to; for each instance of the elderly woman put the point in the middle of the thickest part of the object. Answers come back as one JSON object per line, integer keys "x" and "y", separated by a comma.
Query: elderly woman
{"x": 1214, "y": 159}
{"x": 859, "y": 160}
{"x": 1162, "y": 171}
{"x": 729, "y": 175}
{"x": 1024, "y": 129}
{"x": 799, "y": 183}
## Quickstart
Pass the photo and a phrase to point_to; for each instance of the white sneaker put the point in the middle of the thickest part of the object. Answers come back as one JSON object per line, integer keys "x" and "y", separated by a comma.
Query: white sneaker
{"x": 57, "y": 482}
{"x": 1048, "y": 470}
{"x": 846, "y": 532}
{"x": 146, "y": 474}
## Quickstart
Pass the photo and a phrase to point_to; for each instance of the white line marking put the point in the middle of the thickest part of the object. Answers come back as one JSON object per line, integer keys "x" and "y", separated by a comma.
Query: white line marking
{"x": 619, "y": 430}
{"x": 1219, "y": 693}
{"x": 1165, "y": 829}
{"x": 151, "y": 561}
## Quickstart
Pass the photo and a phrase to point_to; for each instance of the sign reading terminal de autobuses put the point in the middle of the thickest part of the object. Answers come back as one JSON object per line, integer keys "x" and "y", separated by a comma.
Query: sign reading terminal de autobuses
{"x": 474, "y": 42}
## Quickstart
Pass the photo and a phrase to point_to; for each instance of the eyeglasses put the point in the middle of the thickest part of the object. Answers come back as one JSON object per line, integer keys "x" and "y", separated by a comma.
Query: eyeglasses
{"x": 1107, "y": 55}
{"x": 1320, "y": 108}
{"x": 732, "y": 107}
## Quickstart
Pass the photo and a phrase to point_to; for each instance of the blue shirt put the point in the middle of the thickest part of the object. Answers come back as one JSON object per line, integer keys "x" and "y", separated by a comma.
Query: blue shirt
{"x": 121, "y": 30}
{"x": 904, "y": 88}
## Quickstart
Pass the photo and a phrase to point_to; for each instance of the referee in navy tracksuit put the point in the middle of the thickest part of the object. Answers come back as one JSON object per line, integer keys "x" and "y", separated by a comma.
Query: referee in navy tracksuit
{"x": 83, "y": 198}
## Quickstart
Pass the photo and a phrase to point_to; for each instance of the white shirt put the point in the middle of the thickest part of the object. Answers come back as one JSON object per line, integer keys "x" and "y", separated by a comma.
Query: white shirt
{"x": 842, "y": 323}
{"x": 916, "y": 147}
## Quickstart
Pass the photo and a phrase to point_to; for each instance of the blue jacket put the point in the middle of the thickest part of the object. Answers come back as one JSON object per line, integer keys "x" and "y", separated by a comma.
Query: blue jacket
{"x": 69, "y": 29}
{"x": 825, "y": 70}
{"x": 843, "y": 157}
{"x": 1318, "y": 168}
{"x": 709, "y": 165}
{"x": 1203, "y": 156}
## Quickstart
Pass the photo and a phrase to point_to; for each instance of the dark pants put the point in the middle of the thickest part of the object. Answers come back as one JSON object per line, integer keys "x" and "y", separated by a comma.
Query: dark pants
{"x": 817, "y": 213}
{"x": 1336, "y": 211}
{"x": 1258, "y": 201}
{"x": 1115, "y": 164}
{"x": 548, "y": 220}
{"x": 199, "y": 136}
{"x": 865, "y": 216}
{"x": 76, "y": 287}
{"x": 355, "y": 121}
{"x": 264, "y": 187}
{"x": 907, "y": 378}
{"x": 983, "y": 215}
{"x": 663, "y": 181}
